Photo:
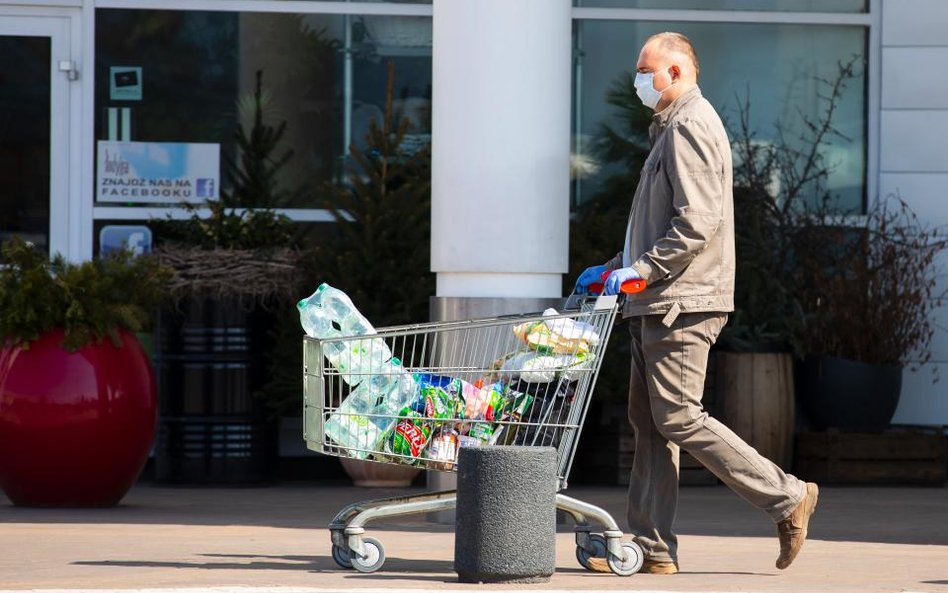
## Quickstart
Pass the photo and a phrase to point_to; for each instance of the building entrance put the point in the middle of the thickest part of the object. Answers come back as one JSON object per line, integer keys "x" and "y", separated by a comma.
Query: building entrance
{"x": 34, "y": 129}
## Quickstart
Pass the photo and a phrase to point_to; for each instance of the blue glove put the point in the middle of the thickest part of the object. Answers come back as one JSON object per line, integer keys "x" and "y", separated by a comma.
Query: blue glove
{"x": 589, "y": 276}
{"x": 617, "y": 277}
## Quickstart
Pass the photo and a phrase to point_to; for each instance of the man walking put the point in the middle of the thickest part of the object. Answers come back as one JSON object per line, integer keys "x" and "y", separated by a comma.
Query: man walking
{"x": 680, "y": 240}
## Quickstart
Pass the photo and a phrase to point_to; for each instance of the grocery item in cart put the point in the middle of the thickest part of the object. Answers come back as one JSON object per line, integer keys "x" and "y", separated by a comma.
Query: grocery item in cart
{"x": 360, "y": 421}
{"x": 410, "y": 435}
{"x": 557, "y": 335}
{"x": 434, "y": 402}
{"x": 483, "y": 432}
{"x": 542, "y": 423}
{"x": 352, "y": 427}
{"x": 443, "y": 448}
{"x": 329, "y": 313}
{"x": 371, "y": 408}
{"x": 535, "y": 367}
{"x": 483, "y": 403}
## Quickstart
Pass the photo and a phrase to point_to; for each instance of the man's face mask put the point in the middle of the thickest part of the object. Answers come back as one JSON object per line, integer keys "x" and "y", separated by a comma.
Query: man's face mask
{"x": 645, "y": 89}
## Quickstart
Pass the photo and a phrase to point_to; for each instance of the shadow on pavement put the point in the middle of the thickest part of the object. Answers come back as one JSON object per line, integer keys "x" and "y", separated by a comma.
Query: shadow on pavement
{"x": 883, "y": 515}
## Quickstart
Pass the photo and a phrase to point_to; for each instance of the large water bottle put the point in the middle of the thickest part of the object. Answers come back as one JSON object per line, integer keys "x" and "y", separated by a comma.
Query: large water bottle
{"x": 377, "y": 379}
{"x": 329, "y": 313}
{"x": 370, "y": 409}
{"x": 353, "y": 425}
{"x": 399, "y": 388}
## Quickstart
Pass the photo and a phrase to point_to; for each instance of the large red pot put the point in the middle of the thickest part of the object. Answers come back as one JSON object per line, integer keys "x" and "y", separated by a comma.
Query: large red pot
{"x": 75, "y": 428}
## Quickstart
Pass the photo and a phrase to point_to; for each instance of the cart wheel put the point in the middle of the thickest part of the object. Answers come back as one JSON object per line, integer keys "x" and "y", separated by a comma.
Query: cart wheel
{"x": 631, "y": 561}
{"x": 598, "y": 544}
{"x": 374, "y": 556}
{"x": 341, "y": 556}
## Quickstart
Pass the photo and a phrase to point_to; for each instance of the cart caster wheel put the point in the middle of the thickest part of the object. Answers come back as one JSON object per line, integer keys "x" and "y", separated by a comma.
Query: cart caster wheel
{"x": 598, "y": 544}
{"x": 341, "y": 556}
{"x": 630, "y": 562}
{"x": 374, "y": 556}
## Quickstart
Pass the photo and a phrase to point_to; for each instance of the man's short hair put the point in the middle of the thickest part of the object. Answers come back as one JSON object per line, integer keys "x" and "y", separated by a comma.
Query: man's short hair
{"x": 671, "y": 41}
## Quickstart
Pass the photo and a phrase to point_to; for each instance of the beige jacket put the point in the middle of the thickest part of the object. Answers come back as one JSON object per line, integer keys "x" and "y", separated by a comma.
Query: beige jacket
{"x": 680, "y": 236}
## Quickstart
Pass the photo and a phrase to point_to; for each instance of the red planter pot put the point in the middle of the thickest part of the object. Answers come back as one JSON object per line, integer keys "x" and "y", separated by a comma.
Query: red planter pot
{"x": 75, "y": 428}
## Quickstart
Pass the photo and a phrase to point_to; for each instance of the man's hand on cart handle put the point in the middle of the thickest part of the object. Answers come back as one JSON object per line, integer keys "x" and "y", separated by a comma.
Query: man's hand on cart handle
{"x": 625, "y": 280}
{"x": 589, "y": 281}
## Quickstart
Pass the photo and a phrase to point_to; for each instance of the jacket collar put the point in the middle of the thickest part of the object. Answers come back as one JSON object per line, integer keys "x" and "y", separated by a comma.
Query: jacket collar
{"x": 664, "y": 116}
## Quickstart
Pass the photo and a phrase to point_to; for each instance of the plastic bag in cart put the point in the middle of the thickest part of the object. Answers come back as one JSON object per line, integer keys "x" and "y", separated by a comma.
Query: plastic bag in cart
{"x": 541, "y": 422}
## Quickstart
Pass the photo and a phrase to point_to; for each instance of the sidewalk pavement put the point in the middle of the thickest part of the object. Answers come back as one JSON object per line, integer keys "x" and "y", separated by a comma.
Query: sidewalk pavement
{"x": 258, "y": 539}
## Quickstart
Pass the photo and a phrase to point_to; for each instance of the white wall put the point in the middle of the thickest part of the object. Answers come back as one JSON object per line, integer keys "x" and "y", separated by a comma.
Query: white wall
{"x": 914, "y": 161}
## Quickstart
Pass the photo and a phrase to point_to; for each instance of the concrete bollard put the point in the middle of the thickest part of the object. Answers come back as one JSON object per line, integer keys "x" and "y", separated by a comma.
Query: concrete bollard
{"x": 506, "y": 515}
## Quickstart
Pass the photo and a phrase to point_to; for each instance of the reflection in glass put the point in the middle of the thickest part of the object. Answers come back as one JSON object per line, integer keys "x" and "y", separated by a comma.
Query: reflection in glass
{"x": 24, "y": 138}
{"x": 766, "y": 5}
{"x": 323, "y": 75}
{"x": 774, "y": 68}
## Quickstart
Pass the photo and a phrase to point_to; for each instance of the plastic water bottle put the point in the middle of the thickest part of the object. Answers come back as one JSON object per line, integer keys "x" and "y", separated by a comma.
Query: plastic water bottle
{"x": 380, "y": 385}
{"x": 329, "y": 313}
{"x": 352, "y": 426}
{"x": 370, "y": 409}
{"x": 398, "y": 389}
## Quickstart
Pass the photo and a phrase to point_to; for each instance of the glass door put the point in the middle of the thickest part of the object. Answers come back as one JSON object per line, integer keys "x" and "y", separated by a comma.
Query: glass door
{"x": 34, "y": 129}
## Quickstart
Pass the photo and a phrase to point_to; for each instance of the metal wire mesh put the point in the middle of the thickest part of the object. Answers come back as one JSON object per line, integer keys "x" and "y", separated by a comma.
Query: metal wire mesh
{"x": 521, "y": 380}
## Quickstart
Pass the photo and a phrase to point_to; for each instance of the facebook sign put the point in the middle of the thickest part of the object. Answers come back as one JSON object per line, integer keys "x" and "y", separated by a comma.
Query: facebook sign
{"x": 115, "y": 237}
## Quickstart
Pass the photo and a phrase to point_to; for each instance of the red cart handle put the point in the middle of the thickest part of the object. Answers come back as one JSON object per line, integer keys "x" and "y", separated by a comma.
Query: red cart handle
{"x": 628, "y": 287}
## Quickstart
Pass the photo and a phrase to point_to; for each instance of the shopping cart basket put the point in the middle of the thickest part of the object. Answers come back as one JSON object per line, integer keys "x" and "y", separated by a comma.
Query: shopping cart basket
{"x": 521, "y": 380}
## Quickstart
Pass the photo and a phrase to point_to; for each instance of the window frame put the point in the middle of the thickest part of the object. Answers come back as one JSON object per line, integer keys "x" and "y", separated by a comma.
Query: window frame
{"x": 870, "y": 20}
{"x": 92, "y": 211}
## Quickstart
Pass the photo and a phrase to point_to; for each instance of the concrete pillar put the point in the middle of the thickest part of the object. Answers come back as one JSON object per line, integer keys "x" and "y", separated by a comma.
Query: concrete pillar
{"x": 500, "y": 140}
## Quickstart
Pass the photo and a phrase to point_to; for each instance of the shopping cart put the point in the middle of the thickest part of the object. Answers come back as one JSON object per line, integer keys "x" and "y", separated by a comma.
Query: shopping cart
{"x": 544, "y": 366}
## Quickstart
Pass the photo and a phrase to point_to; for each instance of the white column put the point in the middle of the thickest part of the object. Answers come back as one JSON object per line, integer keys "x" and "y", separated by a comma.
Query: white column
{"x": 500, "y": 139}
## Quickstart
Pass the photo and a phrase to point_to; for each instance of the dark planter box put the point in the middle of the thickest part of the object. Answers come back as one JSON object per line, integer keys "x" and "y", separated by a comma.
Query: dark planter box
{"x": 893, "y": 457}
{"x": 847, "y": 395}
{"x": 210, "y": 359}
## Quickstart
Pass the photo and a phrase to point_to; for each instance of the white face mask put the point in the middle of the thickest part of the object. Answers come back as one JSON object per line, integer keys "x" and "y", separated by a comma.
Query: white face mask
{"x": 645, "y": 89}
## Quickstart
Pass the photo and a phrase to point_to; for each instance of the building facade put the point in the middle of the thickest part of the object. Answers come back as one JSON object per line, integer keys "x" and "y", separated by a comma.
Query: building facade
{"x": 505, "y": 91}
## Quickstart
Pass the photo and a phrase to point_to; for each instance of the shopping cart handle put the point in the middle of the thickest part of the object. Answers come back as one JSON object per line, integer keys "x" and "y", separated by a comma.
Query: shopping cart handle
{"x": 628, "y": 287}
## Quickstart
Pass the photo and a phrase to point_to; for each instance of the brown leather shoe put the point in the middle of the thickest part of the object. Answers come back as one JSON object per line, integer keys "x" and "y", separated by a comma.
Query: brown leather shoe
{"x": 792, "y": 530}
{"x": 596, "y": 564}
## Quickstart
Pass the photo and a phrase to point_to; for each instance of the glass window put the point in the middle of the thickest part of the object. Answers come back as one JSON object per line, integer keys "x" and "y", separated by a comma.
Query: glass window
{"x": 325, "y": 76}
{"x": 24, "y": 138}
{"x": 768, "y": 5}
{"x": 774, "y": 69}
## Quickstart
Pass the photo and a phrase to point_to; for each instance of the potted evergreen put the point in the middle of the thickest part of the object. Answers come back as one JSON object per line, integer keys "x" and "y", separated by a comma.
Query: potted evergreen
{"x": 77, "y": 396}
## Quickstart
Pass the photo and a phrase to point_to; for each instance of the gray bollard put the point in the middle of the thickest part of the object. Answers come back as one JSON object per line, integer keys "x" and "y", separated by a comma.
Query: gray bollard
{"x": 506, "y": 515}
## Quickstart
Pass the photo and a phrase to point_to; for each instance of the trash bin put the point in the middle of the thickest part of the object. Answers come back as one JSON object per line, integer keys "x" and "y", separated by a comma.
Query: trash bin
{"x": 506, "y": 515}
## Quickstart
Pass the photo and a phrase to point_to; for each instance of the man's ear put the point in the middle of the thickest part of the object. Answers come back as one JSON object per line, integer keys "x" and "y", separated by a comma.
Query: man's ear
{"x": 675, "y": 72}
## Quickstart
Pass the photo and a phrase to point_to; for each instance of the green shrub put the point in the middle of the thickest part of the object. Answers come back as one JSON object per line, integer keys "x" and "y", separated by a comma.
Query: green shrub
{"x": 90, "y": 301}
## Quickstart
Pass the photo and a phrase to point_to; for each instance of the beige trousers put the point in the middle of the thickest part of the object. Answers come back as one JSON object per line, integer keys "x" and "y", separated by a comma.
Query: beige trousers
{"x": 668, "y": 370}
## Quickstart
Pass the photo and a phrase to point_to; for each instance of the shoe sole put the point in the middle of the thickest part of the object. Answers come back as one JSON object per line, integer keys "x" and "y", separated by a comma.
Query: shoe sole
{"x": 600, "y": 565}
